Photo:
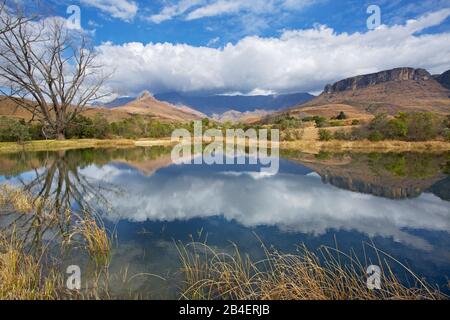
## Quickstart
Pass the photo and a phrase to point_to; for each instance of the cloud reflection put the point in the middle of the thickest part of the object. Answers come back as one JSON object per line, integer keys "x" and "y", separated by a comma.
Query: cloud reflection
{"x": 291, "y": 202}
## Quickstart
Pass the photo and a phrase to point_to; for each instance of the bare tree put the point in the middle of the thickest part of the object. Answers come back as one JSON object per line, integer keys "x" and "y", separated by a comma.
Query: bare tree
{"x": 48, "y": 70}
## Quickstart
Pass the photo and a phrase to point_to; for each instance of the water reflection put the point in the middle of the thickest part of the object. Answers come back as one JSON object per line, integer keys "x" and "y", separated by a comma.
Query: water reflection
{"x": 396, "y": 198}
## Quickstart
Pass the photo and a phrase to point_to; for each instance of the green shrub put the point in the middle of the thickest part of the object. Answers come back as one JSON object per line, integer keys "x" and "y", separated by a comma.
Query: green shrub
{"x": 320, "y": 121}
{"x": 422, "y": 126}
{"x": 375, "y": 136}
{"x": 341, "y": 116}
{"x": 395, "y": 129}
{"x": 447, "y": 135}
{"x": 325, "y": 135}
{"x": 14, "y": 131}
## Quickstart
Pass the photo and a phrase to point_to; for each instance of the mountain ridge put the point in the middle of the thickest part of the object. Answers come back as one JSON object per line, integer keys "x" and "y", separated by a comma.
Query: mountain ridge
{"x": 387, "y": 91}
{"x": 147, "y": 104}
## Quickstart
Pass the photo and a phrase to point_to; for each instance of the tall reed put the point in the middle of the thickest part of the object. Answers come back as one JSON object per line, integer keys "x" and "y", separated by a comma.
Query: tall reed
{"x": 327, "y": 275}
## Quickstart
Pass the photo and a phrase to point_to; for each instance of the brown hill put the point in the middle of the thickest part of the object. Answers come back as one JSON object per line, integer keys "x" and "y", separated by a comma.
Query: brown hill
{"x": 146, "y": 104}
{"x": 390, "y": 91}
{"x": 9, "y": 108}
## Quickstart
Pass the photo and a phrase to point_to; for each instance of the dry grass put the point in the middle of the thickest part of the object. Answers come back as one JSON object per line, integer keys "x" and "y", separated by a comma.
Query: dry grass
{"x": 28, "y": 275}
{"x": 94, "y": 239}
{"x": 55, "y": 145}
{"x": 22, "y": 275}
{"x": 366, "y": 146}
{"x": 58, "y": 145}
{"x": 304, "y": 276}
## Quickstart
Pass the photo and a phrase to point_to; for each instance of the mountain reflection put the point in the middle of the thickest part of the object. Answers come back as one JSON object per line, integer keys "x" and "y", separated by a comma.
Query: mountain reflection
{"x": 391, "y": 196}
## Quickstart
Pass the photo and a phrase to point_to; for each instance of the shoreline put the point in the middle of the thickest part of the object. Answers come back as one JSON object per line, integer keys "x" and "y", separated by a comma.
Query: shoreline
{"x": 309, "y": 146}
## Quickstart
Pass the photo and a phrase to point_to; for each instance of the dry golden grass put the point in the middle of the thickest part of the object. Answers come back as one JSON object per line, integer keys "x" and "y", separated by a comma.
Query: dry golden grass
{"x": 95, "y": 239}
{"x": 16, "y": 199}
{"x": 57, "y": 145}
{"x": 22, "y": 275}
{"x": 304, "y": 276}
{"x": 366, "y": 146}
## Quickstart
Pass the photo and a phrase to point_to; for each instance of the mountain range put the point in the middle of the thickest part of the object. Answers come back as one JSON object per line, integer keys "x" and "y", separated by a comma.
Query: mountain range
{"x": 389, "y": 91}
{"x": 360, "y": 97}
{"x": 218, "y": 104}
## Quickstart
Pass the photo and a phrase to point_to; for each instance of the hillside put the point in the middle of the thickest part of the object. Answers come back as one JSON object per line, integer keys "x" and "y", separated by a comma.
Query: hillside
{"x": 390, "y": 91}
{"x": 247, "y": 117}
{"x": 444, "y": 79}
{"x": 146, "y": 104}
{"x": 9, "y": 109}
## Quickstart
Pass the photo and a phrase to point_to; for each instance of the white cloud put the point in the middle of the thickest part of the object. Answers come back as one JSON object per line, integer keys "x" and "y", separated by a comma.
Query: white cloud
{"x": 171, "y": 11}
{"x": 198, "y": 9}
{"x": 121, "y": 9}
{"x": 297, "y": 60}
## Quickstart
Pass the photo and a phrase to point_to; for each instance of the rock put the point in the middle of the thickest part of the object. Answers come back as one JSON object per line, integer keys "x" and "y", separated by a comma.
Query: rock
{"x": 363, "y": 81}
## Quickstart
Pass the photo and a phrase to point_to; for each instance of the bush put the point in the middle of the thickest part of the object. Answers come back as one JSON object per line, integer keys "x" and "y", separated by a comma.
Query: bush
{"x": 447, "y": 135}
{"x": 291, "y": 134}
{"x": 422, "y": 126}
{"x": 342, "y": 135}
{"x": 375, "y": 136}
{"x": 288, "y": 122}
{"x": 396, "y": 129}
{"x": 341, "y": 116}
{"x": 14, "y": 131}
{"x": 320, "y": 121}
{"x": 325, "y": 135}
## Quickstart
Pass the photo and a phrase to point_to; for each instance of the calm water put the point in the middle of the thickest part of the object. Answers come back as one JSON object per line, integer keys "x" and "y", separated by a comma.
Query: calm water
{"x": 400, "y": 202}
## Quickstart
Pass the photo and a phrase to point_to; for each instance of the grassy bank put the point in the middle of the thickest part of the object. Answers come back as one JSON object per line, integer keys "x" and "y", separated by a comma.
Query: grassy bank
{"x": 56, "y": 145}
{"x": 312, "y": 146}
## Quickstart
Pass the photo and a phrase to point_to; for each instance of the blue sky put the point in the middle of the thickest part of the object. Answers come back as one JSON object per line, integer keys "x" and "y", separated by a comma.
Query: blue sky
{"x": 258, "y": 46}
{"x": 145, "y": 21}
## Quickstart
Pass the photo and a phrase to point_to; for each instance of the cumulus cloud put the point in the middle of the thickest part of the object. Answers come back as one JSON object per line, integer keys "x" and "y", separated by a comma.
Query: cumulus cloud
{"x": 121, "y": 9}
{"x": 297, "y": 60}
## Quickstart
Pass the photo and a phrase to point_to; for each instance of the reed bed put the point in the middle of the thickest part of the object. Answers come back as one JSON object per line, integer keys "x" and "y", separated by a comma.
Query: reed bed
{"x": 327, "y": 275}
{"x": 30, "y": 274}
{"x": 22, "y": 275}
{"x": 94, "y": 238}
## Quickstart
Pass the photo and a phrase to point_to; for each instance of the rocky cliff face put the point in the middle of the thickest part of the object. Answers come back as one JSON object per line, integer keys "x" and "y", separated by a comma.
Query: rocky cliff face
{"x": 444, "y": 79}
{"x": 363, "y": 81}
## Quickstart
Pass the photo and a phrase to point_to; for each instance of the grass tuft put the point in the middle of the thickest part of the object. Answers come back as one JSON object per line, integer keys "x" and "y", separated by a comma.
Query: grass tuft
{"x": 22, "y": 276}
{"x": 329, "y": 275}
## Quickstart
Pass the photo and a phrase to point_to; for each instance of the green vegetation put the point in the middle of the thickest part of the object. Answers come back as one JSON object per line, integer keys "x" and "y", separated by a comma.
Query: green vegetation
{"x": 320, "y": 121}
{"x": 421, "y": 126}
{"x": 325, "y": 135}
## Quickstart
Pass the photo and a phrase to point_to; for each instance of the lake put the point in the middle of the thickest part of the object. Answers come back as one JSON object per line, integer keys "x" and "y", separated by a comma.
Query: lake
{"x": 396, "y": 202}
